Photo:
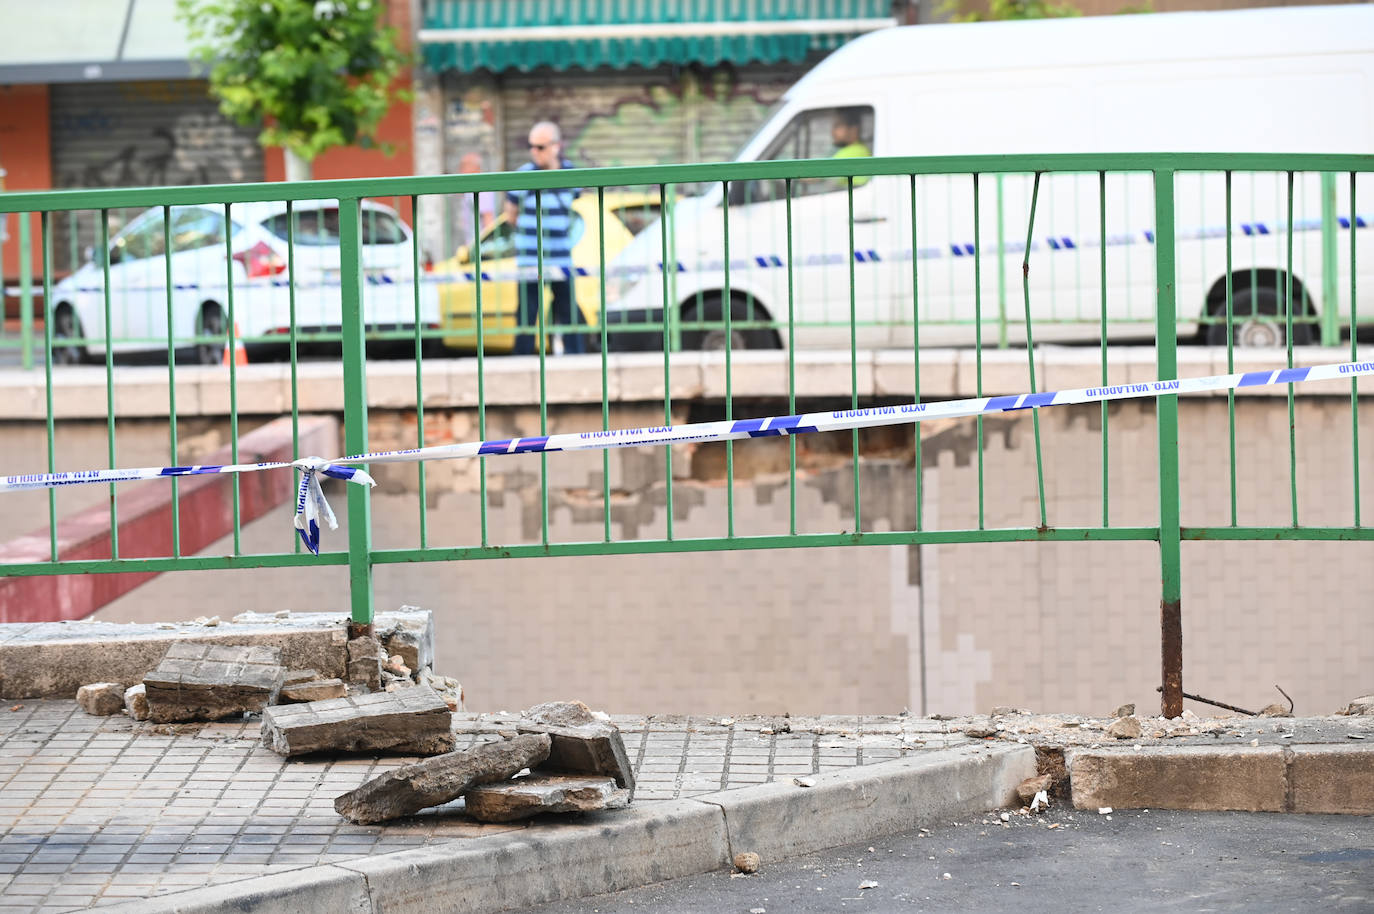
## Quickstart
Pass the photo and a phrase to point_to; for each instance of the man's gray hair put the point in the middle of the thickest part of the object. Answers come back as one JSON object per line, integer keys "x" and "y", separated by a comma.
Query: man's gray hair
{"x": 551, "y": 127}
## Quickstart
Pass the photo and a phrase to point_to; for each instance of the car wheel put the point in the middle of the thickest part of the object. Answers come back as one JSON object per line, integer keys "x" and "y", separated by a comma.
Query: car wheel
{"x": 67, "y": 326}
{"x": 1247, "y": 307}
{"x": 210, "y": 322}
{"x": 712, "y": 339}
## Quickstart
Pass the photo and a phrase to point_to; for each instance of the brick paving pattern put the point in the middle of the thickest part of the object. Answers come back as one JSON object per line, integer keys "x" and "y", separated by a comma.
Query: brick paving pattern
{"x": 102, "y": 810}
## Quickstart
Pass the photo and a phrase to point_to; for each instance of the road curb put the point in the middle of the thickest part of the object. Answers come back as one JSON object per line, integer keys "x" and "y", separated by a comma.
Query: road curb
{"x": 647, "y": 843}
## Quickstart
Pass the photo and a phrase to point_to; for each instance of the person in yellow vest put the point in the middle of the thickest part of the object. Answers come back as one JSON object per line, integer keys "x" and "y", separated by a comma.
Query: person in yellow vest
{"x": 846, "y": 132}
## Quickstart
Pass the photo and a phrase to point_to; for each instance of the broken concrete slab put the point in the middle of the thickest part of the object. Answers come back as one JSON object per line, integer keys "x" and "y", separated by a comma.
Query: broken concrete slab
{"x": 591, "y": 748}
{"x": 538, "y": 794}
{"x": 101, "y": 698}
{"x": 412, "y": 721}
{"x": 54, "y": 659}
{"x": 440, "y": 779}
{"x": 1361, "y": 706}
{"x": 365, "y": 659}
{"x": 212, "y": 682}
{"x": 562, "y": 714}
{"x": 136, "y": 702}
{"x": 409, "y": 632}
{"x": 296, "y": 677}
{"x": 313, "y": 690}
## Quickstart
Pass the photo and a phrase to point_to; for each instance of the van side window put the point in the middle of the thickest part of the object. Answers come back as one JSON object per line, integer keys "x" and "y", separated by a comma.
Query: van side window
{"x": 821, "y": 133}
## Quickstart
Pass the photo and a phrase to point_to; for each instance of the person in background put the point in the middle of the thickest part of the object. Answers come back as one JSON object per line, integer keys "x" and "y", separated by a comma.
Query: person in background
{"x": 471, "y": 164}
{"x": 846, "y": 132}
{"x": 551, "y": 211}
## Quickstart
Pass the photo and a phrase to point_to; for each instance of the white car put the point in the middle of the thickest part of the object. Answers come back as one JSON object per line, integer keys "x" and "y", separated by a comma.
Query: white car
{"x": 257, "y": 257}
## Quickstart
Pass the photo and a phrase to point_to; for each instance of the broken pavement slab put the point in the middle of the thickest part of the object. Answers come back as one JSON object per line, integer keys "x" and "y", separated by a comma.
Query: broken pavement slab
{"x": 593, "y": 746}
{"x": 101, "y": 699}
{"x": 538, "y": 794}
{"x": 413, "y": 721}
{"x": 212, "y": 682}
{"x": 438, "y": 780}
{"x": 314, "y": 690}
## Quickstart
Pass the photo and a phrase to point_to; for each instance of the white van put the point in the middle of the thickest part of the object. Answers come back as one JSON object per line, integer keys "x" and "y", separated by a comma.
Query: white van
{"x": 1287, "y": 80}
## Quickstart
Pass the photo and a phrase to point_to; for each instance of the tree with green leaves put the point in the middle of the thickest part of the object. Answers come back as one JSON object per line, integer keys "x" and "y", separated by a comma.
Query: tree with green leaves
{"x": 959, "y": 11}
{"x": 313, "y": 74}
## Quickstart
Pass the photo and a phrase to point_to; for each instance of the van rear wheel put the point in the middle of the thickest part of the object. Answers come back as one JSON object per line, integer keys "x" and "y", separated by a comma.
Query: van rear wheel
{"x": 712, "y": 338}
{"x": 1258, "y": 321}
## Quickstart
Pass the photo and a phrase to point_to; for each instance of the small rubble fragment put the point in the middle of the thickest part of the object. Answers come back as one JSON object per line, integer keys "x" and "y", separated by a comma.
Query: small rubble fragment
{"x": 1125, "y": 728}
{"x": 867, "y": 884}
{"x": 396, "y": 666}
{"x": 1275, "y": 710}
{"x": 747, "y": 862}
{"x": 212, "y": 682}
{"x": 411, "y": 721}
{"x": 314, "y": 690}
{"x": 1126, "y": 710}
{"x": 136, "y": 702}
{"x": 1361, "y": 706}
{"x": 1027, "y": 789}
{"x": 101, "y": 699}
{"x": 531, "y": 796}
{"x": 438, "y": 780}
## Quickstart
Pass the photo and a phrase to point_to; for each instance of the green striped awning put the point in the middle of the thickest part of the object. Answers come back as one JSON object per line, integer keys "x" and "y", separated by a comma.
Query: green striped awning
{"x": 499, "y": 35}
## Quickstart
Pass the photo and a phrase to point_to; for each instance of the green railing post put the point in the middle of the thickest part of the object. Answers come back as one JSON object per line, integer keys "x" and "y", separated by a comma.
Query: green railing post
{"x": 25, "y": 292}
{"x": 1330, "y": 325}
{"x": 1166, "y": 410}
{"x": 355, "y": 411}
{"x": 668, "y": 215}
{"x": 1002, "y": 268}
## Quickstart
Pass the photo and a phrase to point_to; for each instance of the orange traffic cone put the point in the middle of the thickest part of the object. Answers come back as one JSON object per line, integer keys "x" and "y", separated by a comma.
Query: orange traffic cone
{"x": 235, "y": 353}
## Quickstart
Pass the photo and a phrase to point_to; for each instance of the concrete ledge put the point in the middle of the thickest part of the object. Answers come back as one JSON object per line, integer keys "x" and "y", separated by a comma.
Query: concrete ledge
{"x": 54, "y": 659}
{"x": 782, "y": 819}
{"x": 1331, "y": 779}
{"x": 650, "y": 842}
{"x": 1236, "y": 778}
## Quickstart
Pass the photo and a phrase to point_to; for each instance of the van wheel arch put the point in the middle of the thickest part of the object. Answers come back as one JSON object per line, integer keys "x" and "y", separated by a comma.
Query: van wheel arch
{"x": 706, "y": 307}
{"x": 1257, "y": 292}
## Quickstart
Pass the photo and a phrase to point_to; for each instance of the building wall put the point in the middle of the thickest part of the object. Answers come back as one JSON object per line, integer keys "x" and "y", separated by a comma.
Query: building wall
{"x": 24, "y": 154}
{"x": 1069, "y": 627}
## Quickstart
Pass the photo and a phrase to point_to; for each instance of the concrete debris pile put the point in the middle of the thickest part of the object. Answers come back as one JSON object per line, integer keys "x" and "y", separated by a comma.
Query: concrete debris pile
{"x": 575, "y": 758}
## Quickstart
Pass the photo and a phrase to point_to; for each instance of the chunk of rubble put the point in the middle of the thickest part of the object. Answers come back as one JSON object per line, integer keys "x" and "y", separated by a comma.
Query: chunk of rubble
{"x": 1126, "y": 710}
{"x": 1361, "y": 706}
{"x": 365, "y": 658}
{"x": 101, "y": 698}
{"x": 136, "y": 702}
{"x": 538, "y": 794}
{"x": 593, "y": 747}
{"x": 212, "y": 681}
{"x": 314, "y": 690}
{"x": 440, "y": 779}
{"x": 1027, "y": 789}
{"x": 1125, "y": 728}
{"x": 411, "y": 721}
{"x": 296, "y": 677}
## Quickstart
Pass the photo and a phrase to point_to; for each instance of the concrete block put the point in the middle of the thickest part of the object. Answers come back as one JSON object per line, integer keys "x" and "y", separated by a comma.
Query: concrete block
{"x": 212, "y": 681}
{"x": 314, "y": 690}
{"x": 525, "y": 797}
{"x": 1186, "y": 777}
{"x": 782, "y": 819}
{"x": 1005, "y": 371}
{"x": 1332, "y": 779}
{"x": 365, "y": 659}
{"x": 822, "y": 373}
{"x": 136, "y": 702}
{"x": 602, "y": 852}
{"x": 412, "y": 721}
{"x": 437, "y": 780}
{"x": 595, "y": 748}
{"x": 410, "y": 633}
{"x": 894, "y": 373}
{"x": 101, "y": 698}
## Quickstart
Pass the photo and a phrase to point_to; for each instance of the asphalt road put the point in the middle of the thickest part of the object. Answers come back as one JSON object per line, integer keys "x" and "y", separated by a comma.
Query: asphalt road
{"x": 1062, "y": 861}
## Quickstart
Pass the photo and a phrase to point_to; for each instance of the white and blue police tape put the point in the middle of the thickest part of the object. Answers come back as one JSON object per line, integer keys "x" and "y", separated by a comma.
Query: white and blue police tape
{"x": 311, "y": 506}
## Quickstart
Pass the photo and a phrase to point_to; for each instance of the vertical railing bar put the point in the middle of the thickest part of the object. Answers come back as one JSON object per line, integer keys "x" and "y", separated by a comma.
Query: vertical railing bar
{"x": 354, "y": 354}
{"x": 481, "y": 360}
{"x": 1230, "y": 346}
{"x": 1354, "y": 356}
{"x": 291, "y": 218}
{"x": 25, "y": 227}
{"x": 916, "y": 370}
{"x": 1170, "y": 532}
{"x": 670, "y": 306}
{"x": 45, "y": 227}
{"x": 419, "y": 368}
{"x": 1030, "y": 339}
{"x": 231, "y": 345}
{"x": 1288, "y": 317}
{"x": 605, "y": 344}
{"x": 171, "y": 378}
{"x": 109, "y": 380}
{"x": 791, "y": 368}
{"x": 1102, "y": 276}
{"x": 854, "y": 357}
{"x": 727, "y": 308}
{"x": 543, "y": 367}
{"x": 978, "y": 343}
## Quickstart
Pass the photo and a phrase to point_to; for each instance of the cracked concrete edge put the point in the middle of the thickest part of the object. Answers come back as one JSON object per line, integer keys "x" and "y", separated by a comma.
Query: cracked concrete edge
{"x": 644, "y": 844}
{"x": 1300, "y": 779}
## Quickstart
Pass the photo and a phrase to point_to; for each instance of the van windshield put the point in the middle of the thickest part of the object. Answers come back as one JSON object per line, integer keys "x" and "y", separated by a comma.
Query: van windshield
{"x": 764, "y": 124}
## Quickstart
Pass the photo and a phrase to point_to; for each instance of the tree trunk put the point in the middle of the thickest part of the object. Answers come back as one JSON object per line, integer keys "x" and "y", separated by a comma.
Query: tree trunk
{"x": 297, "y": 169}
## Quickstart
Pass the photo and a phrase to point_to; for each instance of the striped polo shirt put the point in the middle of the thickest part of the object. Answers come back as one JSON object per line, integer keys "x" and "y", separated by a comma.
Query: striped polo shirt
{"x": 557, "y": 225}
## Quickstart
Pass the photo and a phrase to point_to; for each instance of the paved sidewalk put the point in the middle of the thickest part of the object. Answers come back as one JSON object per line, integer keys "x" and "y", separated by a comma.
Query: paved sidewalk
{"x": 97, "y": 811}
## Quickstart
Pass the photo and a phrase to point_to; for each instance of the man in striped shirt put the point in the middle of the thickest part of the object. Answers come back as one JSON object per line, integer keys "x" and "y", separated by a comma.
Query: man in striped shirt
{"x": 523, "y": 209}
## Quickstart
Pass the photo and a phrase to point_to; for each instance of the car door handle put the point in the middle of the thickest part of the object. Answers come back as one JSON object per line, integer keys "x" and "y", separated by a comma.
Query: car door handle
{"x": 866, "y": 220}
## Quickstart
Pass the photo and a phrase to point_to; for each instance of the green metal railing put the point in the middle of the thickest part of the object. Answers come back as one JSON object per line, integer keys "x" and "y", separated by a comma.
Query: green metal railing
{"x": 678, "y": 319}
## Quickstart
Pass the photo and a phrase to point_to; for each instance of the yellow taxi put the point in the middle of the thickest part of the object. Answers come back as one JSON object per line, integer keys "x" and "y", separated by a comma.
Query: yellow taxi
{"x": 623, "y": 214}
